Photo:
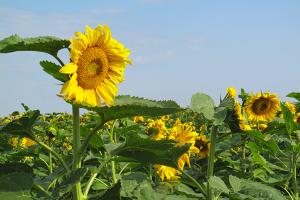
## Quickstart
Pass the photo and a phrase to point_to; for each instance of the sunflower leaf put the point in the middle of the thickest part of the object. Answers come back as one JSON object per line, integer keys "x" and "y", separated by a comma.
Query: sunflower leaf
{"x": 46, "y": 44}
{"x": 53, "y": 70}
{"x": 21, "y": 126}
{"x": 142, "y": 149}
{"x": 127, "y": 106}
{"x": 295, "y": 95}
{"x": 202, "y": 103}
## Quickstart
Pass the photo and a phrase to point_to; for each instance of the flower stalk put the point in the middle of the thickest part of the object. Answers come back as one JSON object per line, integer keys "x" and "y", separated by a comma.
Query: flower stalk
{"x": 77, "y": 194}
{"x": 210, "y": 170}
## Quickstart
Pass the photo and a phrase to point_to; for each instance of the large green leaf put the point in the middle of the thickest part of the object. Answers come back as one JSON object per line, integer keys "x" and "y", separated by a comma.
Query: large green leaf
{"x": 202, "y": 103}
{"x": 268, "y": 143}
{"x": 127, "y": 106}
{"x": 72, "y": 178}
{"x": 16, "y": 186}
{"x": 46, "y": 44}
{"x": 218, "y": 184}
{"x": 142, "y": 149}
{"x": 53, "y": 69}
{"x": 21, "y": 126}
{"x": 295, "y": 95}
{"x": 256, "y": 190}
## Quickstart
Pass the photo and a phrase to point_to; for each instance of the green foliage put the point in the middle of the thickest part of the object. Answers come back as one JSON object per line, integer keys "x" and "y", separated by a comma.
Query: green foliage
{"x": 16, "y": 185}
{"x": 21, "y": 126}
{"x": 202, "y": 103}
{"x": 53, "y": 70}
{"x": 46, "y": 44}
{"x": 137, "y": 148}
{"x": 218, "y": 184}
{"x": 295, "y": 95}
{"x": 72, "y": 178}
{"x": 255, "y": 190}
{"x": 127, "y": 106}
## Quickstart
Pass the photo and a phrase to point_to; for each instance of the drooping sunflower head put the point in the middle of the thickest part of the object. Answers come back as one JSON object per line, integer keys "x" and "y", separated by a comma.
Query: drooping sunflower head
{"x": 97, "y": 64}
{"x": 203, "y": 145}
{"x": 292, "y": 107}
{"x": 262, "y": 106}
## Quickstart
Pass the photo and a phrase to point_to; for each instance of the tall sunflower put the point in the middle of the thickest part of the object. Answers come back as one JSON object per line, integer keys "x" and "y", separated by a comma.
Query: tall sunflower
{"x": 97, "y": 64}
{"x": 262, "y": 106}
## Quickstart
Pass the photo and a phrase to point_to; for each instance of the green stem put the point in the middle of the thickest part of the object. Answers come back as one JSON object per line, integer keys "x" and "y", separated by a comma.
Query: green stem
{"x": 210, "y": 170}
{"x": 40, "y": 188}
{"x": 76, "y": 145}
{"x": 50, "y": 163}
{"x": 50, "y": 159}
{"x": 59, "y": 60}
{"x": 93, "y": 177}
{"x": 295, "y": 182}
{"x": 199, "y": 186}
{"x": 113, "y": 138}
{"x": 56, "y": 155}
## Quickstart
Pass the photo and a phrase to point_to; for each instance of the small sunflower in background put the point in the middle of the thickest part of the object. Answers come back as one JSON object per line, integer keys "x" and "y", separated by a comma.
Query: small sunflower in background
{"x": 138, "y": 119}
{"x": 292, "y": 107}
{"x": 165, "y": 117}
{"x": 203, "y": 144}
{"x": 231, "y": 92}
{"x": 98, "y": 62}
{"x": 182, "y": 134}
{"x": 262, "y": 106}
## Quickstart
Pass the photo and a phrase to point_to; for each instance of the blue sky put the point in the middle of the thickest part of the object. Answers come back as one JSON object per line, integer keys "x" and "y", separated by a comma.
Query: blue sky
{"x": 178, "y": 47}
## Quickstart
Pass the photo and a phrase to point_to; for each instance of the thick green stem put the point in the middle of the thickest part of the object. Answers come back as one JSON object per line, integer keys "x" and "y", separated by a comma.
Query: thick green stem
{"x": 210, "y": 170}
{"x": 295, "y": 181}
{"x": 76, "y": 146}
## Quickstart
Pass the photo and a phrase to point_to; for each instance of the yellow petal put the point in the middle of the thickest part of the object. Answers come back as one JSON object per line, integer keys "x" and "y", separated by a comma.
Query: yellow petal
{"x": 68, "y": 68}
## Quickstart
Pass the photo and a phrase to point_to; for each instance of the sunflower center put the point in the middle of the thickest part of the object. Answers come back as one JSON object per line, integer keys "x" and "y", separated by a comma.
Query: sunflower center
{"x": 261, "y": 106}
{"x": 92, "y": 68}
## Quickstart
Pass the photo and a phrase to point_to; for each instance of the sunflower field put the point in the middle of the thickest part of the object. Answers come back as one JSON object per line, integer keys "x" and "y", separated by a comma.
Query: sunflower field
{"x": 244, "y": 147}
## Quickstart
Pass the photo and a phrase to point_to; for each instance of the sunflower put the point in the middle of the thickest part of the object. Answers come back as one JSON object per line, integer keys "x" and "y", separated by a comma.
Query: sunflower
{"x": 203, "y": 145}
{"x": 231, "y": 92}
{"x": 292, "y": 107}
{"x": 165, "y": 172}
{"x": 182, "y": 134}
{"x": 138, "y": 119}
{"x": 26, "y": 142}
{"x": 262, "y": 106}
{"x": 97, "y": 64}
{"x": 157, "y": 129}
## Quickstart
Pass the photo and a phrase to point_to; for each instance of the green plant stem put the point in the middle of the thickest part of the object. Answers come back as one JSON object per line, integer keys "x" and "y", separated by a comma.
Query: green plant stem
{"x": 295, "y": 182}
{"x": 76, "y": 146}
{"x": 40, "y": 188}
{"x": 50, "y": 163}
{"x": 210, "y": 170}
{"x": 113, "y": 138}
{"x": 199, "y": 186}
{"x": 93, "y": 177}
{"x": 50, "y": 160}
{"x": 56, "y": 155}
{"x": 59, "y": 60}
